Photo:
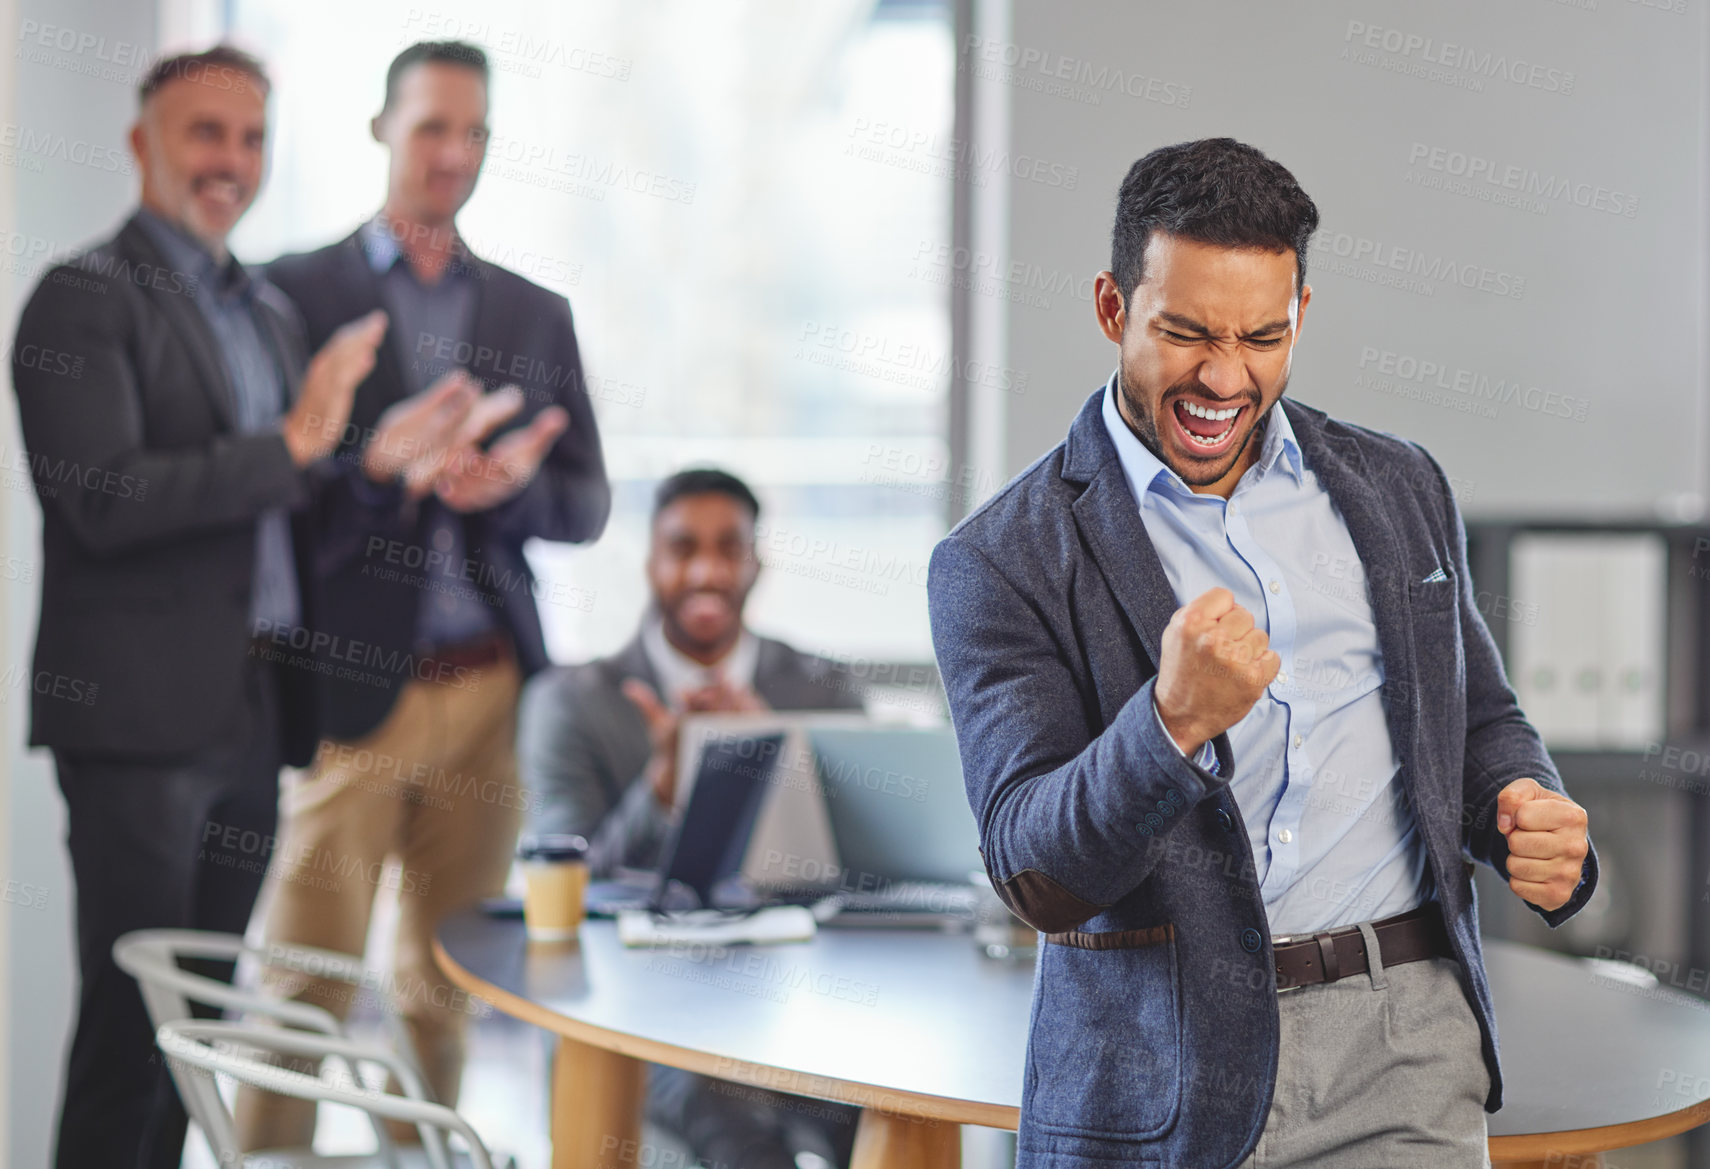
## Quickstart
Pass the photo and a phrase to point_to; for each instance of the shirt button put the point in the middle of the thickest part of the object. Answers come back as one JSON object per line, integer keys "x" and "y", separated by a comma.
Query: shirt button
{"x": 1284, "y": 835}
{"x": 1298, "y": 741}
{"x": 1276, "y": 586}
{"x": 1282, "y": 678}
{"x": 1225, "y": 821}
{"x": 1251, "y": 941}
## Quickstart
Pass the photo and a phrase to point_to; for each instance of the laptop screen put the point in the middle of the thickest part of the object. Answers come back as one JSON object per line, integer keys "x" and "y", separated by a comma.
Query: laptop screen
{"x": 712, "y": 833}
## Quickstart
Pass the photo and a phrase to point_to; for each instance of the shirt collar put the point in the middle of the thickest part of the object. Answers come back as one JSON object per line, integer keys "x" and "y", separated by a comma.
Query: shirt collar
{"x": 1145, "y": 471}
{"x": 381, "y": 246}
{"x": 188, "y": 254}
{"x": 678, "y": 673}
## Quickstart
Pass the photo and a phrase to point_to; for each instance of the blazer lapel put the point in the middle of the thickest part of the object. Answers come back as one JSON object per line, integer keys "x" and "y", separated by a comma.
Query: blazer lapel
{"x": 1109, "y": 521}
{"x": 358, "y": 284}
{"x": 631, "y": 662}
{"x": 484, "y": 314}
{"x": 492, "y": 321}
{"x": 777, "y": 674}
{"x": 287, "y": 353}
{"x": 1341, "y": 468}
{"x": 181, "y": 309}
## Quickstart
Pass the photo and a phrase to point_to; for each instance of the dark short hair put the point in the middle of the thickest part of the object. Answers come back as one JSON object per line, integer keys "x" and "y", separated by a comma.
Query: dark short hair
{"x": 434, "y": 53}
{"x": 210, "y": 66}
{"x": 704, "y": 481}
{"x": 1215, "y": 191}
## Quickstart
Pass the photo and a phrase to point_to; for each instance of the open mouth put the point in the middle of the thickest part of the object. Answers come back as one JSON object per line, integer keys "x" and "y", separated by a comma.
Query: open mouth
{"x": 1206, "y": 429}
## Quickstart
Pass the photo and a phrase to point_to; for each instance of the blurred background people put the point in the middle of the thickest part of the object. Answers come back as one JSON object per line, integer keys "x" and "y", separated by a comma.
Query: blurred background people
{"x": 423, "y": 567}
{"x": 173, "y": 447}
{"x": 598, "y": 748}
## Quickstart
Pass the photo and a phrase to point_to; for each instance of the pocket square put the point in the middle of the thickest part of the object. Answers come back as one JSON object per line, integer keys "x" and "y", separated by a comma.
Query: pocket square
{"x": 1435, "y": 577}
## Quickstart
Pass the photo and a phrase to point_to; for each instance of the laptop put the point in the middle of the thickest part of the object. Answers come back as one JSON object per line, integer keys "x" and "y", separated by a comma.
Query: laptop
{"x": 705, "y": 849}
{"x": 907, "y": 843}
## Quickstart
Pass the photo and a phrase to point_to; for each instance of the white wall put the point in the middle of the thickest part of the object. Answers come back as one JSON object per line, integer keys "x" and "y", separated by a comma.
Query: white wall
{"x": 1605, "y": 307}
{"x": 70, "y": 76}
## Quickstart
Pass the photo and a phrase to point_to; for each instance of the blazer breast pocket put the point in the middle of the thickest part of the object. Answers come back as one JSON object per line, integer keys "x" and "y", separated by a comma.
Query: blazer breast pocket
{"x": 1104, "y": 1057}
{"x": 1432, "y": 591}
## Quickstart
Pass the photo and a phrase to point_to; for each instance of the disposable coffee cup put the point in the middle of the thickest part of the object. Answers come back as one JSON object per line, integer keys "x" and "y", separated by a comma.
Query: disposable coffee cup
{"x": 555, "y": 872}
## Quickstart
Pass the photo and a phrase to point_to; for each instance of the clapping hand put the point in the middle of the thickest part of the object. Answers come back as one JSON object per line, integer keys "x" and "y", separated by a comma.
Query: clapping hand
{"x": 476, "y": 480}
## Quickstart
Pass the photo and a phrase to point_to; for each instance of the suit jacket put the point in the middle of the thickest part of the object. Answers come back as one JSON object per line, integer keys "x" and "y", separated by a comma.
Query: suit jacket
{"x": 1153, "y": 1033}
{"x": 582, "y": 746}
{"x": 372, "y": 546}
{"x": 149, "y": 500}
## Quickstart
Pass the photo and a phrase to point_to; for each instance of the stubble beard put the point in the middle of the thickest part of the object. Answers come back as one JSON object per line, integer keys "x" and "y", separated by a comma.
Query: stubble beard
{"x": 1145, "y": 428}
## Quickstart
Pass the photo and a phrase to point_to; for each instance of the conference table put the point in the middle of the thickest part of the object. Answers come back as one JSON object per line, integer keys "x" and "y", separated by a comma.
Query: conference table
{"x": 925, "y": 1033}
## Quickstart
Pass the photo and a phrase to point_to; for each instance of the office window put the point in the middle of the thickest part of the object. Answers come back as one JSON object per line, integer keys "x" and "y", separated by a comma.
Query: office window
{"x": 734, "y": 198}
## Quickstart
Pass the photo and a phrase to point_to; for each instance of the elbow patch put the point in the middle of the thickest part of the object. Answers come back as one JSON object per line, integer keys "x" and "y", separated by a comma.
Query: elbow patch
{"x": 1042, "y": 903}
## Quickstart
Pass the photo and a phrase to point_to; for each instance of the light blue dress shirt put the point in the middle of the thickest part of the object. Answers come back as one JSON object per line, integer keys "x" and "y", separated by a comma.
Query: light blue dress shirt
{"x": 1334, "y": 839}
{"x": 421, "y": 315}
{"x": 225, "y": 296}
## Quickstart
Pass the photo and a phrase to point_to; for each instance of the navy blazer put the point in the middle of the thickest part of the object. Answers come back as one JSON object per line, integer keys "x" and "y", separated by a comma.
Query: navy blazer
{"x": 1153, "y": 1037}
{"x": 371, "y": 552}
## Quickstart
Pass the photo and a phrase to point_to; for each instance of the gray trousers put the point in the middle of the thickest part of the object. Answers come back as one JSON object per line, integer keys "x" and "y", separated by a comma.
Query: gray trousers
{"x": 1379, "y": 1069}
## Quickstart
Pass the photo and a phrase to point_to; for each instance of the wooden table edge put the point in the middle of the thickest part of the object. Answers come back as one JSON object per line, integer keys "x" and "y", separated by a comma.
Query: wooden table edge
{"x": 892, "y": 1101}
{"x": 1538, "y": 1146}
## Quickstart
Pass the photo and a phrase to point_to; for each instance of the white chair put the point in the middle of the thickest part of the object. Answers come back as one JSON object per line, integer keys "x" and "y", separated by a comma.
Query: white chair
{"x": 195, "y": 1051}
{"x": 152, "y": 958}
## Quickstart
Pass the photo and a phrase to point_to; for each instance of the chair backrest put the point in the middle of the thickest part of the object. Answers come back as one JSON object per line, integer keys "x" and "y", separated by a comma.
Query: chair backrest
{"x": 152, "y": 957}
{"x": 197, "y": 1050}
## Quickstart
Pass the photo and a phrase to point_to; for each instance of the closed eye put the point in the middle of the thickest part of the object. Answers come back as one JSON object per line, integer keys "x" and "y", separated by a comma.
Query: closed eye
{"x": 1256, "y": 342}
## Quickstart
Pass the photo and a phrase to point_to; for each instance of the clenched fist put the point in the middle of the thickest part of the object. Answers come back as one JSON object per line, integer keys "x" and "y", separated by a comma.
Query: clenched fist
{"x": 1547, "y": 842}
{"x": 1216, "y": 663}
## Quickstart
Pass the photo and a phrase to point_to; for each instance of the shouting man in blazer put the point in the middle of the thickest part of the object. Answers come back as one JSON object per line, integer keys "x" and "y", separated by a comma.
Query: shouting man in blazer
{"x": 1233, "y": 789}
{"x": 177, "y": 436}
{"x": 426, "y": 612}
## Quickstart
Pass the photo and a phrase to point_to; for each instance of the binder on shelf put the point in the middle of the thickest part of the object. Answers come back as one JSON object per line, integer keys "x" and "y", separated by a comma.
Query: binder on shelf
{"x": 1587, "y": 643}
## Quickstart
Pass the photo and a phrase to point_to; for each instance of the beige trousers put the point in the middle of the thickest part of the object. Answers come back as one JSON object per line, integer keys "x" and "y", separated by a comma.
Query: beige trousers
{"x": 433, "y": 790}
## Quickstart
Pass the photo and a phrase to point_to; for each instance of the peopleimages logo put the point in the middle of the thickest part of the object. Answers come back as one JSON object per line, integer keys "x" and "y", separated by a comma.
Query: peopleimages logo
{"x": 1467, "y": 60}
{"x": 887, "y": 141}
{"x": 1523, "y": 180}
{"x": 1060, "y": 75}
{"x": 1473, "y": 384}
{"x": 59, "y": 148}
{"x": 1412, "y": 262}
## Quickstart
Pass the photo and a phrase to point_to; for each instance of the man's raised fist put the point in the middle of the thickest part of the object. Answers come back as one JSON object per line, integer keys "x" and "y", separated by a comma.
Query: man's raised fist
{"x": 1216, "y": 663}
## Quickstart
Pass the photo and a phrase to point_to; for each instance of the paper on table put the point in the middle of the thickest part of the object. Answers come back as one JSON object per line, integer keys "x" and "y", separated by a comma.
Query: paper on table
{"x": 778, "y": 923}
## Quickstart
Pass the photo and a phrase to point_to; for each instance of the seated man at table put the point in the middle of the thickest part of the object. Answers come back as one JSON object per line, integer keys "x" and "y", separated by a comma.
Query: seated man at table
{"x": 597, "y": 745}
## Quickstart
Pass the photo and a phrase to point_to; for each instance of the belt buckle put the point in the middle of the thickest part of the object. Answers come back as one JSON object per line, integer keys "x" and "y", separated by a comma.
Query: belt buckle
{"x": 1284, "y": 940}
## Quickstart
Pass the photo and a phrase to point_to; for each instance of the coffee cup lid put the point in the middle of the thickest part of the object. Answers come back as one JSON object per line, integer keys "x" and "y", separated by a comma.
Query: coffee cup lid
{"x": 552, "y": 846}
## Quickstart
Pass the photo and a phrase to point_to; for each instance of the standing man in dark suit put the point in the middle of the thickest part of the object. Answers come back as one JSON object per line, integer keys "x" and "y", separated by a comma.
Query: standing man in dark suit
{"x": 1233, "y": 792}
{"x": 176, "y": 435}
{"x": 599, "y": 747}
{"x": 424, "y": 568}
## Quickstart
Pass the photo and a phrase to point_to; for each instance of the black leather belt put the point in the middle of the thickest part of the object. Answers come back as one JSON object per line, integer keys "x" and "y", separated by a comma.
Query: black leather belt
{"x": 1303, "y": 959}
